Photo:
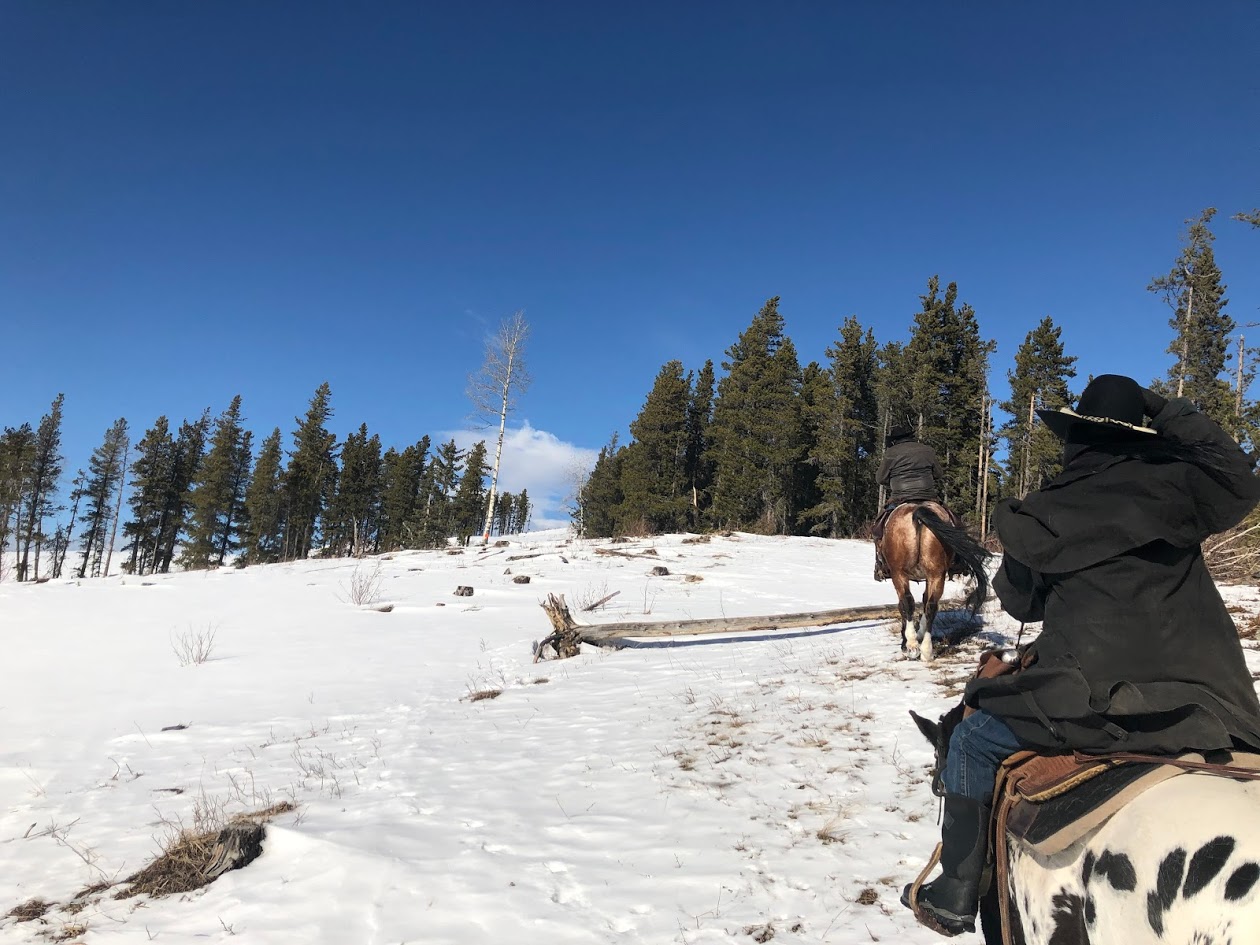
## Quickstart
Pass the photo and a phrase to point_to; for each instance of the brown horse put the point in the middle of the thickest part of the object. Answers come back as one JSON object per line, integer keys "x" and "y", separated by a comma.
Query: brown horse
{"x": 921, "y": 544}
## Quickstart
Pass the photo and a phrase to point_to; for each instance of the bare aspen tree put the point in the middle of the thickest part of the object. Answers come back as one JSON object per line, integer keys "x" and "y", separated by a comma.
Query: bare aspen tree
{"x": 493, "y": 391}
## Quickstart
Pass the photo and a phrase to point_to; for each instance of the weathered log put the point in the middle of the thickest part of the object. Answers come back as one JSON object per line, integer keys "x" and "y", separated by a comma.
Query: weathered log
{"x": 569, "y": 634}
{"x": 537, "y": 554}
{"x": 237, "y": 845}
{"x": 521, "y": 579}
{"x": 463, "y": 591}
{"x": 613, "y": 552}
{"x": 659, "y": 571}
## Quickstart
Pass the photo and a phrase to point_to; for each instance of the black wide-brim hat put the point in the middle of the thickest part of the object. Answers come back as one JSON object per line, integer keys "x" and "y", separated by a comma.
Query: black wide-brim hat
{"x": 1110, "y": 407}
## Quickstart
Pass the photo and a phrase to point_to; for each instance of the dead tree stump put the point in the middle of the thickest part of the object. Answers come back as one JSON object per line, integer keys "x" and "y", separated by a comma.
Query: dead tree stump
{"x": 463, "y": 591}
{"x": 564, "y": 639}
{"x": 659, "y": 571}
{"x": 521, "y": 579}
{"x": 236, "y": 845}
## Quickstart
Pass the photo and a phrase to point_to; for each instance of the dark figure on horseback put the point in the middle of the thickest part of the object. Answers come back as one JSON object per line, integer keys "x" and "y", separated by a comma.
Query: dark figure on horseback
{"x": 1137, "y": 651}
{"x": 911, "y": 473}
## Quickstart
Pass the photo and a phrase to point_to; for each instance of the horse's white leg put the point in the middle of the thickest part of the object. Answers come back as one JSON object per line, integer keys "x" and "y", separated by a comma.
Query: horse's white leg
{"x": 925, "y": 635}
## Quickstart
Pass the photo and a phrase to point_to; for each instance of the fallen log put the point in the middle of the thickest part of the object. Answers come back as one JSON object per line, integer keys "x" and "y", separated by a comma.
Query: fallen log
{"x": 646, "y": 553}
{"x": 568, "y": 633}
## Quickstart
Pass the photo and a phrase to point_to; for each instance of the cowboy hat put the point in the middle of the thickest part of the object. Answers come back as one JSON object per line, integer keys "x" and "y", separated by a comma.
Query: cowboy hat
{"x": 1111, "y": 403}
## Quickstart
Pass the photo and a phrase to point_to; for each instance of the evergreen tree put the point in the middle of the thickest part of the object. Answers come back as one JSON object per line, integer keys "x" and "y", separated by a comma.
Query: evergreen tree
{"x": 66, "y": 535}
{"x": 1194, "y": 290}
{"x": 1252, "y": 217}
{"x": 17, "y": 456}
{"x": 1040, "y": 377}
{"x": 470, "y": 498}
{"x": 521, "y": 510}
{"x": 756, "y": 433}
{"x": 403, "y": 474}
{"x": 186, "y": 458}
{"x": 654, "y": 480}
{"x": 946, "y": 363}
{"x": 355, "y": 512}
{"x": 264, "y": 505}
{"x": 843, "y": 417}
{"x": 105, "y": 470}
{"x": 310, "y": 476}
{"x": 218, "y": 495}
{"x": 601, "y": 495}
{"x": 151, "y": 475}
{"x": 504, "y": 504}
{"x": 699, "y": 467}
{"x": 45, "y": 471}
{"x": 434, "y": 522}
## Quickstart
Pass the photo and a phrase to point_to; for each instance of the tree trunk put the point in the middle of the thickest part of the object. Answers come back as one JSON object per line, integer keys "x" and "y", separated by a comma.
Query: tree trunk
{"x": 122, "y": 486}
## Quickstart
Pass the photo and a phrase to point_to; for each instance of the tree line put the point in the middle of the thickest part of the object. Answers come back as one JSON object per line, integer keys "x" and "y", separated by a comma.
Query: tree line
{"x": 201, "y": 495}
{"x": 780, "y": 448}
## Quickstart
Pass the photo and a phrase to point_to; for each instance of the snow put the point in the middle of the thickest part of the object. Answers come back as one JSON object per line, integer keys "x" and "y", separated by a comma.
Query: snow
{"x": 708, "y": 789}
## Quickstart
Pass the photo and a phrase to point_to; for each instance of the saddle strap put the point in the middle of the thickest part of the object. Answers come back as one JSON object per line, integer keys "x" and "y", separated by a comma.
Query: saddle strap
{"x": 1222, "y": 770}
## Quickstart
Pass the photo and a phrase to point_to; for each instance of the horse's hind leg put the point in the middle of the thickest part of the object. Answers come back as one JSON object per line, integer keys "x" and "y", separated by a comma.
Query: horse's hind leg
{"x": 931, "y": 603}
{"x": 905, "y": 606}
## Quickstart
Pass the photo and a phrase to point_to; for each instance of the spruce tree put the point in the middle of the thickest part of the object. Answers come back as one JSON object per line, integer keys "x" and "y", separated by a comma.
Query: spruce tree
{"x": 601, "y": 495}
{"x": 434, "y": 522}
{"x": 66, "y": 536}
{"x": 45, "y": 471}
{"x": 186, "y": 458}
{"x": 756, "y": 433}
{"x": 503, "y": 506}
{"x": 1194, "y": 290}
{"x": 843, "y": 416}
{"x": 1252, "y": 217}
{"x": 105, "y": 471}
{"x": 151, "y": 474}
{"x": 403, "y": 474}
{"x": 355, "y": 511}
{"x": 264, "y": 505}
{"x": 1039, "y": 379}
{"x": 654, "y": 481}
{"x": 946, "y": 363}
{"x": 218, "y": 494}
{"x": 521, "y": 510}
{"x": 699, "y": 467}
{"x": 17, "y": 455}
{"x": 469, "y": 504}
{"x": 310, "y": 476}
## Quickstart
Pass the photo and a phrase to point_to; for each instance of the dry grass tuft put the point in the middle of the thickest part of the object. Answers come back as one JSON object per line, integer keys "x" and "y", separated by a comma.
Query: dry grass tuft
{"x": 196, "y": 646}
{"x": 29, "y": 911}
{"x": 68, "y": 932}
{"x": 760, "y": 933}
{"x": 481, "y": 694}
{"x": 193, "y": 858}
{"x": 868, "y": 896}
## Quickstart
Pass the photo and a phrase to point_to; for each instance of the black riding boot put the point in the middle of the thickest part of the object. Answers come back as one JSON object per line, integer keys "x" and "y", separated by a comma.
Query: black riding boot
{"x": 948, "y": 904}
{"x": 881, "y": 569}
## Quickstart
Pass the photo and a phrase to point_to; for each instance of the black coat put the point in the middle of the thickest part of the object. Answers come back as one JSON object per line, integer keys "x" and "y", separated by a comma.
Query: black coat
{"x": 1137, "y": 652}
{"x": 911, "y": 472}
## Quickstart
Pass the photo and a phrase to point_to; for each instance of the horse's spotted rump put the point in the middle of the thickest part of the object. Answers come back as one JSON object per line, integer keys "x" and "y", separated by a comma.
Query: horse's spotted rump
{"x": 1069, "y": 920}
{"x": 1206, "y": 863}
{"x": 1167, "y": 882}
{"x": 1117, "y": 869}
{"x": 1242, "y": 881}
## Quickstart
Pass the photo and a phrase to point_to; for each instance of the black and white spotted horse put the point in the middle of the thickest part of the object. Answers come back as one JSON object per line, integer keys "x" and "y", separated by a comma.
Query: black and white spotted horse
{"x": 1178, "y": 865}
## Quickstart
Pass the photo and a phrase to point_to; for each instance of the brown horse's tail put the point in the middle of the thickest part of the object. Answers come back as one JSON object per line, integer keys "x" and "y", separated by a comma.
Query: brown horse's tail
{"x": 963, "y": 547}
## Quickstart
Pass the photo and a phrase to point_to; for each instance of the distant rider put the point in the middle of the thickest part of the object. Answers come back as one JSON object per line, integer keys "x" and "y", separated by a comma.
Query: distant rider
{"x": 911, "y": 473}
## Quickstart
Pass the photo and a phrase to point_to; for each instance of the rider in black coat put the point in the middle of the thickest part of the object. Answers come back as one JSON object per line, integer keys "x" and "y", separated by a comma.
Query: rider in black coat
{"x": 910, "y": 472}
{"x": 1137, "y": 651}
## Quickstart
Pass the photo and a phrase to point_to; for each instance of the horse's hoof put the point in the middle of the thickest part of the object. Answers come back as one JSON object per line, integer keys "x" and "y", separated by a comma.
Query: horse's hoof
{"x": 912, "y": 654}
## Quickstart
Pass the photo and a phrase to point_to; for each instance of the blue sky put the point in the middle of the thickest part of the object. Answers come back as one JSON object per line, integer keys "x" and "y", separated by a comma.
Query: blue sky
{"x": 209, "y": 199}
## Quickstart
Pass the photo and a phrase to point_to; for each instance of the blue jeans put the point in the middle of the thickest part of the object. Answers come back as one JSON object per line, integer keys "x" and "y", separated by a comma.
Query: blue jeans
{"x": 977, "y": 749}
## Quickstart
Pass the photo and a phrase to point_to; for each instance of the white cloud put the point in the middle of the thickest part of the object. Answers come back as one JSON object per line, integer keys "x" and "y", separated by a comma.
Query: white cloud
{"x": 537, "y": 461}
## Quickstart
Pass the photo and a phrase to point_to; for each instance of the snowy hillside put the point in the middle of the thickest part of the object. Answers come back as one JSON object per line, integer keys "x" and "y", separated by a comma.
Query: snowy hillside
{"x": 704, "y": 790}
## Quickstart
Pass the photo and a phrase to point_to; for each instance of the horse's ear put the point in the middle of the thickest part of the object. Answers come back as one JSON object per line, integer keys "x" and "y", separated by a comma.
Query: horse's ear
{"x": 931, "y": 730}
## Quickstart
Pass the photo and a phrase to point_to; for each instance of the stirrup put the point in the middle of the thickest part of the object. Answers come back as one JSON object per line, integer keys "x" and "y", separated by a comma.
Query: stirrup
{"x": 926, "y": 917}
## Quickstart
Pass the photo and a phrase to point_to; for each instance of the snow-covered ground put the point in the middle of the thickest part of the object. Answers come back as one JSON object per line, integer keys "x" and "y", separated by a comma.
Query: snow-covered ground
{"x": 718, "y": 789}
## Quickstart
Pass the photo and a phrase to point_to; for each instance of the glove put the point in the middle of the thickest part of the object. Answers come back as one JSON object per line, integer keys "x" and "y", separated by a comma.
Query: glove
{"x": 1152, "y": 404}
